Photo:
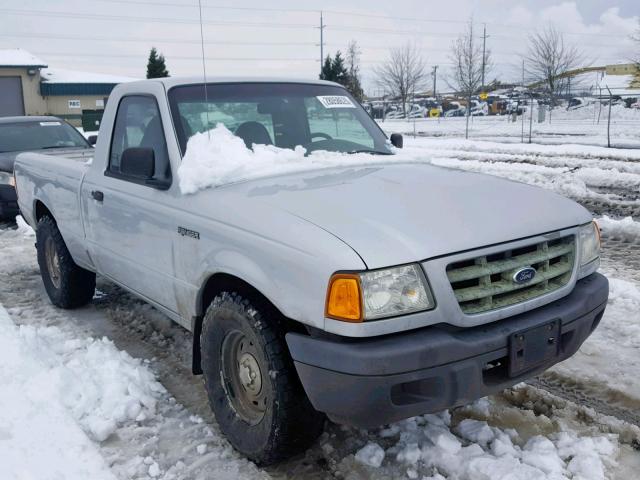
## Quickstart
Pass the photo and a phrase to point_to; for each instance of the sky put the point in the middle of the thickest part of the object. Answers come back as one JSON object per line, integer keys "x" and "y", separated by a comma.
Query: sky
{"x": 282, "y": 37}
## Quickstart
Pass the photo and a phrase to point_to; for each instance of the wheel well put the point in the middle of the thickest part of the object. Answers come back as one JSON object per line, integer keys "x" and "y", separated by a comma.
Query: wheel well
{"x": 41, "y": 210}
{"x": 221, "y": 282}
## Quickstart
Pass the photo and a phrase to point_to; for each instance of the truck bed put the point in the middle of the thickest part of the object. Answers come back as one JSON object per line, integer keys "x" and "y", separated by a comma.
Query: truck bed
{"x": 55, "y": 179}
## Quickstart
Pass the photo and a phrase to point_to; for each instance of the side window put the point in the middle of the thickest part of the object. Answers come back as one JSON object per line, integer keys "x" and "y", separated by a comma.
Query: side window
{"x": 138, "y": 124}
{"x": 337, "y": 123}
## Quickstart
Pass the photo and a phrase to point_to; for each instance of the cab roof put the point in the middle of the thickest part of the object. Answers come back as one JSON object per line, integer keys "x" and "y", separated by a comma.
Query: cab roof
{"x": 170, "y": 82}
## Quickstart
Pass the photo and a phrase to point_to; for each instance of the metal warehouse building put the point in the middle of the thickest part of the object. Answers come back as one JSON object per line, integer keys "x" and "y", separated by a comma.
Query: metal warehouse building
{"x": 29, "y": 87}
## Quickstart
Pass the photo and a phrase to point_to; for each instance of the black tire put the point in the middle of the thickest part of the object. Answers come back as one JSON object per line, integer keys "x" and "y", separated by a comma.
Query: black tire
{"x": 67, "y": 285}
{"x": 289, "y": 424}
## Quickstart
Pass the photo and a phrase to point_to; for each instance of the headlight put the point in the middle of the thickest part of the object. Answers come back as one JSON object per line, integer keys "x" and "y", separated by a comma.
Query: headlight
{"x": 378, "y": 294}
{"x": 589, "y": 242}
{"x": 6, "y": 179}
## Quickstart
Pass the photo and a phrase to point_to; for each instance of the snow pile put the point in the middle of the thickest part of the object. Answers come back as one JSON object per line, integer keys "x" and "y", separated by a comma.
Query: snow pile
{"x": 371, "y": 454}
{"x": 474, "y": 450}
{"x": 24, "y": 228}
{"x": 38, "y": 435}
{"x": 626, "y": 229}
{"x": 100, "y": 387}
{"x": 218, "y": 157}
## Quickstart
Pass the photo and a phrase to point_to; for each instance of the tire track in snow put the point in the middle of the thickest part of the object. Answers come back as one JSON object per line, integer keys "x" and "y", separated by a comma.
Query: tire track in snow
{"x": 600, "y": 398}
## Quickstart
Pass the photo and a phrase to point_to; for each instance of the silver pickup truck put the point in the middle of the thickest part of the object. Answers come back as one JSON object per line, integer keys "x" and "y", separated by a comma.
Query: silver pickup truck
{"x": 367, "y": 294}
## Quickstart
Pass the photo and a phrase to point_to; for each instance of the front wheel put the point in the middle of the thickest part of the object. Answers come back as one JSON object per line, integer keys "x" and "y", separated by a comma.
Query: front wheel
{"x": 253, "y": 389}
{"x": 67, "y": 284}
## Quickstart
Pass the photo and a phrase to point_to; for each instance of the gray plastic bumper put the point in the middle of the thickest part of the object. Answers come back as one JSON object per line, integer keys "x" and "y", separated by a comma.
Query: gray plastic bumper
{"x": 375, "y": 381}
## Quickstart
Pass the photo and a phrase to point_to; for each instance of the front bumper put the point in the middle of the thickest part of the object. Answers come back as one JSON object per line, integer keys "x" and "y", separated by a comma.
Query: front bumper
{"x": 8, "y": 202}
{"x": 367, "y": 383}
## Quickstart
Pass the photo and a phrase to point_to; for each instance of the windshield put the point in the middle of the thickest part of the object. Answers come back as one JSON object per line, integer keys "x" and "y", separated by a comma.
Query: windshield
{"x": 318, "y": 117}
{"x": 24, "y": 136}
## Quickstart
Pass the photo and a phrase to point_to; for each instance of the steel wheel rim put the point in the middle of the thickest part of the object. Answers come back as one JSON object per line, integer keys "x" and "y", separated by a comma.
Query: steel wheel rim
{"x": 53, "y": 262}
{"x": 242, "y": 377}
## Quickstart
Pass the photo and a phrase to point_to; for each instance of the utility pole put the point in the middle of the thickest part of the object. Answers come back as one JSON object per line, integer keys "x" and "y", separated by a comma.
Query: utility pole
{"x": 435, "y": 78}
{"x": 322, "y": 25}
{"x": 484, "y": 52}
{"x": 530, "y": 105}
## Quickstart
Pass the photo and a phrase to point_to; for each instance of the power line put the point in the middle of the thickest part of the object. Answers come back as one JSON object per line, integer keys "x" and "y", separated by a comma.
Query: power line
{"x": 164, "y": 40}
{"x": 53, "y": 14}
{"x": 211, "y": 7}
{"x": 350, "y": 28}
{"x": 180, "y": 57}
{"x": 179, "y": 41}
{"x": 345, "y": 13}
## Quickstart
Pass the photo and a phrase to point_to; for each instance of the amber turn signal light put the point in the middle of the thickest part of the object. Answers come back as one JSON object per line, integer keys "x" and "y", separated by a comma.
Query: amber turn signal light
{"x": 344, "y": 298}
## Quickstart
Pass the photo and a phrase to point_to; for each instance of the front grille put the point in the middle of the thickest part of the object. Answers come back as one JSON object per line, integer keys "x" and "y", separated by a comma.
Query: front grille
{"x": 486, "y": 283}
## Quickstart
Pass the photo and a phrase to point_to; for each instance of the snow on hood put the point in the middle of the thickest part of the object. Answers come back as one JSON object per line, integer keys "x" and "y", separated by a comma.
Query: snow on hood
{"x": 218, "y": 157}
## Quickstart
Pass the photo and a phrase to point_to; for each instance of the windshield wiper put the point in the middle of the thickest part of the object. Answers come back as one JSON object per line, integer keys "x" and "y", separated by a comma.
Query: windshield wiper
{"x": 372, "y": 152}
{"x": 54, "y": 146}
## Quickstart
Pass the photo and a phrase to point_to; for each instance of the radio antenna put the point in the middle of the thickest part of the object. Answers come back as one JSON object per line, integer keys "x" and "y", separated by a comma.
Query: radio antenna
{"x": 204, "y": 70}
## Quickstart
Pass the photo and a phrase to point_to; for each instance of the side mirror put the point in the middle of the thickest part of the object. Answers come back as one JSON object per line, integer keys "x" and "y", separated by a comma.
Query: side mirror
{"x": 92, "y": 139}
{"x": 138, "y": 162}
{"x": 396, "y": 140}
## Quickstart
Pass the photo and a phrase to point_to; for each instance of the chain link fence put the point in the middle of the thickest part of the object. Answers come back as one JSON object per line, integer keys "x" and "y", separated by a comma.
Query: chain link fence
{"x": 605, "y": 120}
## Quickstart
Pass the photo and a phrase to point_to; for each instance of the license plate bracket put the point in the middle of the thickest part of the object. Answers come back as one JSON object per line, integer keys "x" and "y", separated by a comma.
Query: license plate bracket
{"x": 533, "y": 347}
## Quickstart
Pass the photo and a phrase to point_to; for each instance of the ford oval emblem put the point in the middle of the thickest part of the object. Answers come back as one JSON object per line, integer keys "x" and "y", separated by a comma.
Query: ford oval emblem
{"x": 524, "y": 275}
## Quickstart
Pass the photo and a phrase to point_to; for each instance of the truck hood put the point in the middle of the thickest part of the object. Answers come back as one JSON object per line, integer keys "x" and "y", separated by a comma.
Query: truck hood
{"x": 400, "y": 213}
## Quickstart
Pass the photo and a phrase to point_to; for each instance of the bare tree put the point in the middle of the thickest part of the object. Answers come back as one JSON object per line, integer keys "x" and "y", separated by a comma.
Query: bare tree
{"x": 468, "y": 64}
{"x": 636, "y": 38}
{"x": 353, "y": 71}
{"x": 403, "y": 73}
{"x": 549, "y": 59}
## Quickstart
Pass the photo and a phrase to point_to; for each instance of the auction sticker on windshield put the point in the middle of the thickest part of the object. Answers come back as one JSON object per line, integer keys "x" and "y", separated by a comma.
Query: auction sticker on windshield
{"x": 335, "y": 101}
{"x": 50, "y": 124}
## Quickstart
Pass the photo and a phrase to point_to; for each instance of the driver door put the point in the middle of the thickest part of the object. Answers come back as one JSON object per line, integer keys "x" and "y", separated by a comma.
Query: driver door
{"x": 130, "y": 222}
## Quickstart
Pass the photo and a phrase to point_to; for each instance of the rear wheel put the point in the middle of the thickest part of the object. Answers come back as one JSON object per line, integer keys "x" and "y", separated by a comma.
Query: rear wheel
{"x": 67, "y": 284}
{"x": 251, "y": 382}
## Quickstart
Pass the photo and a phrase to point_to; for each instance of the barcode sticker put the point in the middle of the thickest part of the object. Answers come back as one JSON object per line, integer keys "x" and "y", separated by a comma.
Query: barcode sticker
{"x": 335, "y": 101}
{"x": 50, "y": 124}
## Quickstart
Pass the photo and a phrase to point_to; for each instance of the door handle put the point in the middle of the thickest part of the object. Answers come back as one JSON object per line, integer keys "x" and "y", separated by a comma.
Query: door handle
{"x": 97, "y": 195}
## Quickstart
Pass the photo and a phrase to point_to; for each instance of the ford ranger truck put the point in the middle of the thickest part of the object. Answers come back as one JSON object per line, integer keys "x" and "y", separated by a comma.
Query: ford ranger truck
{"x": 362, "y": 293}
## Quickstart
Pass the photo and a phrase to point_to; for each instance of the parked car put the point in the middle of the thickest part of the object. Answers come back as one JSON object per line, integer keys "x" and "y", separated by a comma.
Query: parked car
{"x": 21, "y": 134}
{"x": 454, "y": 109}
{"x": 576, "y": 103}
{"x": 368, "y": 294}
{"x": 479, "y": 109}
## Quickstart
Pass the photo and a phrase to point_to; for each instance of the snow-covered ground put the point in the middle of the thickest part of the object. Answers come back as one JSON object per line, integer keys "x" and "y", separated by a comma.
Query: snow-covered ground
{"x": 586, "y": 126}
{"x": 106, "y": 391}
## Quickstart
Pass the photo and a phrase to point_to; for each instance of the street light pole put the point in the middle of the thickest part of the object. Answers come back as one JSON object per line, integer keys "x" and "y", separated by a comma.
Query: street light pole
{"x": 435, "y": 78}
{"x": 484, "y": 52}
{"x": 321, "y": 42}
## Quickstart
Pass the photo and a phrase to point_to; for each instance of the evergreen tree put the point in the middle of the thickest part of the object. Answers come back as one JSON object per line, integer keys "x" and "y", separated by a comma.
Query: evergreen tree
{"x": 335, "y": 70}
{"x": 327, "y": 69}
{"x": 156, "y": 67}
{"x": 339, "y": 70}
